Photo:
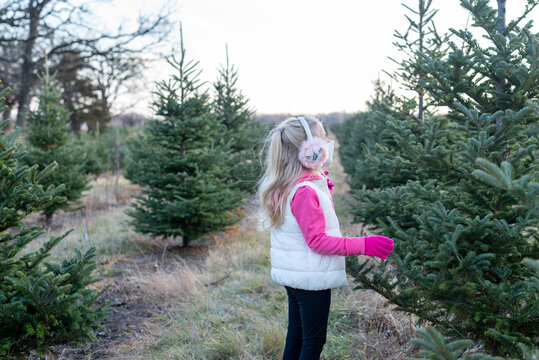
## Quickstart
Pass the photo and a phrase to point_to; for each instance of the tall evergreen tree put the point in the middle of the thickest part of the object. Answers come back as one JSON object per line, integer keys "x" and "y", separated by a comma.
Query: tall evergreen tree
{"x": 421, "y": 37}
{"x": 187, "y": 186}
{"x": 367, "y": 148}
{"x": 41, "y": 303}
{"x": 373, "y": 153}
{"x": 243, "y": 131}
{"x": 48, "y": 140}
{"x": 467, "y": 217}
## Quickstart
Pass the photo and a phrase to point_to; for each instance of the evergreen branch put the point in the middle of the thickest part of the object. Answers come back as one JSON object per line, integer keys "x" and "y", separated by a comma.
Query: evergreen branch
{"x": 435, "y": 347}
{"x": 485, "y": 25}
{"x": 494, "y": 175}
{"x": 514, "y": 23}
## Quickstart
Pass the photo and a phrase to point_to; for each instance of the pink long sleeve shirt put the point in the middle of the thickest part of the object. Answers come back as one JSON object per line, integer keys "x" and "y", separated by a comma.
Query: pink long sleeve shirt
{"x": 306, "y": 208}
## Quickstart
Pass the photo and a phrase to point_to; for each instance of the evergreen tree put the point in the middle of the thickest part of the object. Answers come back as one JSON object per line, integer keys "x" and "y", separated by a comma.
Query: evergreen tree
{"x": 41, "y": 303}
{"x": 468, "y": 216}
{"x": 105, "y": 151}
{"x": 187, "y": 186}
{"x": 363, "y": 136}
{"x": 48, "y": 140}
{"x": 435, "y": 347}
{"x": 374, "y": 158}
{"x": 243, "y": 131}
{"x": 421, "y": 38}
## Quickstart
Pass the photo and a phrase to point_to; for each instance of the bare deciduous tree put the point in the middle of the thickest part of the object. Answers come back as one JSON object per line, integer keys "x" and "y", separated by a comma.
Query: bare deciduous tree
{"x": 32, "y": 30}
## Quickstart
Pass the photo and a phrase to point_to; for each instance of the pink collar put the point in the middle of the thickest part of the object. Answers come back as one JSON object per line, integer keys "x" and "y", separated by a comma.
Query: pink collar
{"x": 307, "y": 175}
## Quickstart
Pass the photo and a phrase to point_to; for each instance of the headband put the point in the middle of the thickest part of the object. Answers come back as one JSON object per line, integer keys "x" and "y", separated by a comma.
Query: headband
{"x": 306, "y": 127}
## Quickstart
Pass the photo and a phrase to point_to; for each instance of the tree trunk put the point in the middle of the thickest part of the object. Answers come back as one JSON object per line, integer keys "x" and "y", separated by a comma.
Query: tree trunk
{"x": 48, "y": 220}
{"x": 500, "y": 85}
{"x": 421, "y": 33}
{"x": 117, "y": 162}
{"x": 107, "y": 173}
{"x": 5, "y": 116}
{"x": 27, "y": 68}
{"x": 501, "y": 14}
{"x": 185, "y": 241}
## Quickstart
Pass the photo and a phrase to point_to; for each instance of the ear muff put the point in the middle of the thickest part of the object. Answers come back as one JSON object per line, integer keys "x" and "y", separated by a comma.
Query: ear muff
{"x": 313, "y": 152}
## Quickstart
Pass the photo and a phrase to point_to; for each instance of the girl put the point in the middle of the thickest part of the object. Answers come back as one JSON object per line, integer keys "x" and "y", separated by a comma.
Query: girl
{"x": 307, "y": 249}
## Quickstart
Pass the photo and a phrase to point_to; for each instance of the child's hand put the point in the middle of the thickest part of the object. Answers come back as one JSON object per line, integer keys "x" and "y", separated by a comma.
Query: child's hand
{"x": 379, "y": 246}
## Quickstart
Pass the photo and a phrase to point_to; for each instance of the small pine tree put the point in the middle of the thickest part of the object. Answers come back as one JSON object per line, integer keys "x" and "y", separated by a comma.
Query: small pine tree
{"x": 48, "y": 139}
{"x": 105, "y": 151}
{"x": 363, "y": 136}
{"x": 435, "y": 347}
{"x": 370, "y": 153}
{"x": 421, "y": 38}
{"x": 41, "y": 303}
{"x": 185, "y": 172}
{"x": 467, "y": 217}
{"x": 242, "y": 130}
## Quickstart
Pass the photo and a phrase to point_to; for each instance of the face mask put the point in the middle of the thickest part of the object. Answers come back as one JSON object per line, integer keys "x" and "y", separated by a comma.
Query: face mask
{"x": 330, "y": 153}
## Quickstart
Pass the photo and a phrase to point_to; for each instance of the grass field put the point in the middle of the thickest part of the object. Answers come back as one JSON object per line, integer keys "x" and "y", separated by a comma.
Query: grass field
{"x": 215, "y": 299}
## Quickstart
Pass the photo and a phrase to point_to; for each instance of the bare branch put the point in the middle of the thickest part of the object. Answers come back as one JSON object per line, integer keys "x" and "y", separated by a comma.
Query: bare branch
{"x": 58, "y": 28}
{"x": 514, "y": 23}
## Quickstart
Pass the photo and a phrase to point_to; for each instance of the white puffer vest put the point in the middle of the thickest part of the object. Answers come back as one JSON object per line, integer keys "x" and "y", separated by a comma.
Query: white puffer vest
{"x": 293, "y": 263}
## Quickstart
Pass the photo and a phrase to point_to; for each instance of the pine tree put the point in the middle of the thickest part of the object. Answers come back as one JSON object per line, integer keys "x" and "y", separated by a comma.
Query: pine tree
{"x": 105, "y": 151}
{"x": 244, "y": 133}
{"x": 374, "y": 158}
{"x": 41, "y": 303}
{"x": 48, "y": 140}
{"x": 435, "y": 347}
{"x": 187, "y": 188}
{"x": 421, "y": 38}
{"x": 363, "y": 136}
{"x": 467, "y": 217}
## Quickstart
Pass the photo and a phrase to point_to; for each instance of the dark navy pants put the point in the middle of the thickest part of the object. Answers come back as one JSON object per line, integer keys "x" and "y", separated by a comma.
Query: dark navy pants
{"x": 308, "y": 312}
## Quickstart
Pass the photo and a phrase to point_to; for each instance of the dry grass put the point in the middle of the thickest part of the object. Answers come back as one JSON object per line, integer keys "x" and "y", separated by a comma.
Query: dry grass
{"x": 101, "y": 223}
{"x": 217, "y": 301}
{"x": 225, "y": 306}
{"x": 164, "y": 285}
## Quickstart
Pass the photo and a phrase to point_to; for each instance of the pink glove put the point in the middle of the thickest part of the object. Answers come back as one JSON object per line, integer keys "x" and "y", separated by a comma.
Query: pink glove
{"x": 379, "y": 246}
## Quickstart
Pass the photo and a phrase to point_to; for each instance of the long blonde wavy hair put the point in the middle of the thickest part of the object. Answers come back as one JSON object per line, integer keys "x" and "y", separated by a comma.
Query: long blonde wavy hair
{"x": 282, "y": 168}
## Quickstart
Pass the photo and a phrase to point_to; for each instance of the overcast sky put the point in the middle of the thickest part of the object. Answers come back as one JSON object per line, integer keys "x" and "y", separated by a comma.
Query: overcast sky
{"x": 294, "y": 56}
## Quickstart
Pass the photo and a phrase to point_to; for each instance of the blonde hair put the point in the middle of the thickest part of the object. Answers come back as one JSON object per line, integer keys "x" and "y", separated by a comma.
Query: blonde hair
{"x": 283, "y": 168}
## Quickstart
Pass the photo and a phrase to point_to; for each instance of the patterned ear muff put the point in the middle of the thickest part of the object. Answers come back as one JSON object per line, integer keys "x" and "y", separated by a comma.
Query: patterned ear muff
{"x": 313, "y": 152}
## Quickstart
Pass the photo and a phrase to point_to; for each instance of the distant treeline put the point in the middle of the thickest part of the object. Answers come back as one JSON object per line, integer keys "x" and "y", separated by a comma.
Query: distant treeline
{"x": 135, "y": 119}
